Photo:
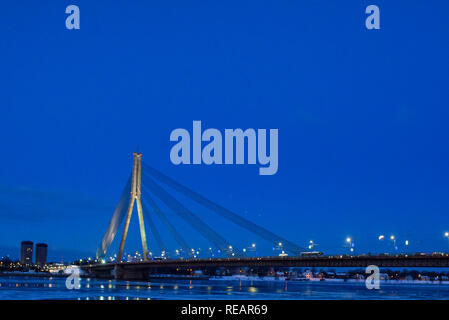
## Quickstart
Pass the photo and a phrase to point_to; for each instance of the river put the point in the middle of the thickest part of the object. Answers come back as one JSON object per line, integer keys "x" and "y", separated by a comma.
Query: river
{"x": 26, "y": 288}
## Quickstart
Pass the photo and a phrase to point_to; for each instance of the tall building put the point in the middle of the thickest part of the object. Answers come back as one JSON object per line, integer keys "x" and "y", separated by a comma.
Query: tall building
{"x": 41, "y": 253}
{"x": 26, "y": 253}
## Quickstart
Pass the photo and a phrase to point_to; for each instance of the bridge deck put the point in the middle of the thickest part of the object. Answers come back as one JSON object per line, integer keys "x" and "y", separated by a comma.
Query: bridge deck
{"x": 441, "y": 260}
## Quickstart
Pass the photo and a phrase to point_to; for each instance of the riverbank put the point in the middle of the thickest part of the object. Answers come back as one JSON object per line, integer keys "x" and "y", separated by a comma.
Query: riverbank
{"x": 328, "y": 280}
{"x": 239, "y": 278}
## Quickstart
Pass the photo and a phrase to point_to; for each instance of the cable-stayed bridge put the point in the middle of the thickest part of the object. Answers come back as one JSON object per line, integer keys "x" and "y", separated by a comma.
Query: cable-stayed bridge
{"x": 147, "y": 188}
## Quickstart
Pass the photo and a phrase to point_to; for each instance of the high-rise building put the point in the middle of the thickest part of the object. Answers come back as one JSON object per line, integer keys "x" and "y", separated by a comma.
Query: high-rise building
{"x": 41, "y": 253}
{"x": 26, "y": 253}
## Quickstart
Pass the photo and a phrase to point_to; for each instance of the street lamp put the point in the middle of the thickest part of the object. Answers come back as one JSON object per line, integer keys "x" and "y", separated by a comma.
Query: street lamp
{"x": 393, "y": 238}
{"x": 381, "y": 238}
{"x": 406, "y": 244}
{"x": 311, "y": 245}
{"x": 253, "y": 248}
{"x": 350, "y": 243}
{"x": 278, "y": 247}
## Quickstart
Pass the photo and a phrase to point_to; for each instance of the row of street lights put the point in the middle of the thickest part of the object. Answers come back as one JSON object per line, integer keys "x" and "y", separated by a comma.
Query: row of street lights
{"x": 279, "y": 247}
{"x": 351, "y": 244}
{"x": 393, "y": 239}
{"x": 230, "y": 249}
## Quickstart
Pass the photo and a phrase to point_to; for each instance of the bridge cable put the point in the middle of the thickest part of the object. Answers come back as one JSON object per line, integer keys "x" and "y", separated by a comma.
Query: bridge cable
{"x": 195, "y": 222}
{"x": 116, "y": 221}
{"x": 235, "y": 218}
{"x": 154, "y": 230}
{"x": 175, "y": 234}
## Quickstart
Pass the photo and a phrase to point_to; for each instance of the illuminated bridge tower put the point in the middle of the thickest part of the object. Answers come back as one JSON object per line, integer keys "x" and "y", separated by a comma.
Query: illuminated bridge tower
{"x": 135, "y": 197}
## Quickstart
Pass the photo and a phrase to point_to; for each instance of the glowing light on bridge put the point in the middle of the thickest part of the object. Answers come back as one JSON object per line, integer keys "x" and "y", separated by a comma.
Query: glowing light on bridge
{"x": 350, "y": 243}
{"x": 393, "y": 238}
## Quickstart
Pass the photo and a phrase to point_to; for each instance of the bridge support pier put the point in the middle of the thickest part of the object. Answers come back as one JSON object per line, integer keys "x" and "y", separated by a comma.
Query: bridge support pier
{"x": 122, "y": 273}
{"x": 99, "y": 273}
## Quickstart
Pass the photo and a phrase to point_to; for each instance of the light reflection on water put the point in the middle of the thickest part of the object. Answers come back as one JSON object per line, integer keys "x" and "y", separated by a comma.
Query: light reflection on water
{"x": 93, "y": 289}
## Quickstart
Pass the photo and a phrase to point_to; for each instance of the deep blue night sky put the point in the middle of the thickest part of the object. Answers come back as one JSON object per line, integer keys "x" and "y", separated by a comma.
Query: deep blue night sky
{"x": 362, "y": 116}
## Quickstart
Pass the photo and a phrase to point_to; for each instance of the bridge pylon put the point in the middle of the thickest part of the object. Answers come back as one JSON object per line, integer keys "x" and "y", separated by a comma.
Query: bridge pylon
{"x": 135, "y": 198}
